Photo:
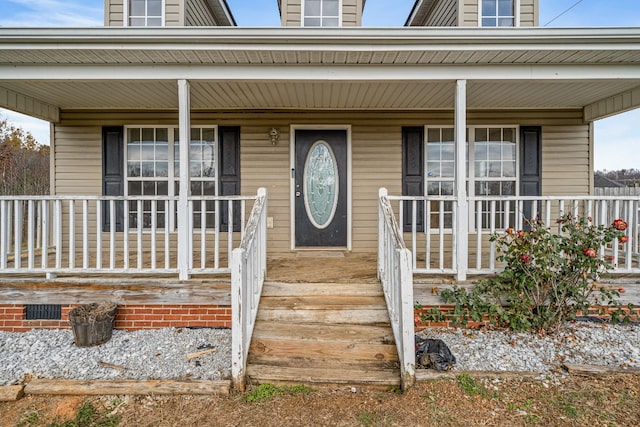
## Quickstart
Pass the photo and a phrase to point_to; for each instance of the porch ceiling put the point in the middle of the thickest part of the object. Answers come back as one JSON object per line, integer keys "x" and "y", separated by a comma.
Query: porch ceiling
{"x": 341, "y": 69}
{"x": 312, "y": 95}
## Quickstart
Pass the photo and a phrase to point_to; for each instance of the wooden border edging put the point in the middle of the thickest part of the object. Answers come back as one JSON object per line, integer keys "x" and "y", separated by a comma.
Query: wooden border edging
{"x": 126, "y": 387}
{"x": 429, "y": 374}
{"x": 598, "y": 370}
{"x": 11, "y": 393}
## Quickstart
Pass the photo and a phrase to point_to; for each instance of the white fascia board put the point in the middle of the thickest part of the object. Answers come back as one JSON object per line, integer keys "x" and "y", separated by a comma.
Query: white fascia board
{"x": 293, "y": 38}
{"x": 616, "y": 104}
{"x": 254, "y": 72}
{"x": 30, "y": 106}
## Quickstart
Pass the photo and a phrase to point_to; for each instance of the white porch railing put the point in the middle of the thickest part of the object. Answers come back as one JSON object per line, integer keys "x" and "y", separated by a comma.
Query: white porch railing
{"x": 117, "y": 235}
{"x": 249, "y": 265}
{"x": 429, "y": 225}
{"x": 395, "y": 273}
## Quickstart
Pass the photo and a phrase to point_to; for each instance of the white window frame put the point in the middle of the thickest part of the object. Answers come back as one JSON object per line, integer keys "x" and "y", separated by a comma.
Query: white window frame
{"x": 127, "y": 16}
{"x": 516, "y": 17}
{"x": 471, "y": 178}
{"x": 321, "y": 17}
{"x": 171, "y": 178}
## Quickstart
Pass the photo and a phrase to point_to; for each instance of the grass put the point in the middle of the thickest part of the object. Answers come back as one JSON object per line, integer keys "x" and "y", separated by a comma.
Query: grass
{"x": 373, "y": 419}
{"x": 87, "y": 416}
{"x": 264, "y": 392}
{"x": 471, "y": 386}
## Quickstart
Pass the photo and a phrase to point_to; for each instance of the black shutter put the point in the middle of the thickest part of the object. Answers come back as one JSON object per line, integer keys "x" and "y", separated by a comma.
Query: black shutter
{"x": 413, "y": 173}
{"x": 113, "y": 173}
{"x": 530, "y": 164}
{"x": 229, "y": 175}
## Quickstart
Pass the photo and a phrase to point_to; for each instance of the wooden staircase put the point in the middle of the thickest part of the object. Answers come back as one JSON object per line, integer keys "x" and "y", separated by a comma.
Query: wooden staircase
{"x": 323, "y": 333}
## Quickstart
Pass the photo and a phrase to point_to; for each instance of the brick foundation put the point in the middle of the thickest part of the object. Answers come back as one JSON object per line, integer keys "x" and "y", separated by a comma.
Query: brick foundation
{"x": 130, "y": 317}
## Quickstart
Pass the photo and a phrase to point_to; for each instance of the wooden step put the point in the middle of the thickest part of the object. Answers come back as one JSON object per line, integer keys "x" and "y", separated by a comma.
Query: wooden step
{"x": 323, "y": 333}
{"x": 375, "y": 334}
{"x": 314, "y": 374}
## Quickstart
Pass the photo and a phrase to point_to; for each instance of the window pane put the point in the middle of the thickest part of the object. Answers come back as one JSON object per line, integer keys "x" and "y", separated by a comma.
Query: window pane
{"x": 488, "y": 22}
{"x": 505, "y": 7}
{"x": 133, "y": 134}
{"x": 481, "y": 134}
{"x": 447, "y": 188}
{"x": 330, "y": 22}
{"x": 508, "y": 135}
{"x": 208, "y": 135}
{"x": 448, "y": 135}
{"x": 148, "y": 189}
{"x": 154, "y": 22}
{"x": 433, "y": 169}
{"x": 494, "y": 151}
{"x": 195, "y": 169}
{"x": 509, "y": 188}
{"x": 508, "y": 151}
{"x": 135, "y": 188}
{"x": 137, "y": 22}
{"x": 311, "y": 22}
{"x": 505, "y": 22}
{"x": 447, "y": 169}
{"x": 209, "y": 188}
{"x": 133, "y": 169}
{"x": 148, "y": 169}
{"x": 147, "y": 151}
{"x": 162, "y": 134}
{"x": 148, "y": 134}
{"x": 312, "y": 8}
{"x": 433, "y": 188}
{"x": 154, "y": 7}
{"x": 162, "y": 169}
{"x": 488, "y": 7}
{"x": 494, "y": 169}
{"x": 331, "y": 8}
{"x": 433, "y": 135}
{"x": 495, "y": 134}
{"x": 509, "y": 169}
{"x": 196, "y": 189}
{"x": 162, "y": 151}
{"x": 163, "y": 190}
{"x": 133, "y": 151}
{"x": 136, "y": 7}
{"x": 481, "y": 169}
{"x": 433, "y": 151}
{"x": 448, "y": 151}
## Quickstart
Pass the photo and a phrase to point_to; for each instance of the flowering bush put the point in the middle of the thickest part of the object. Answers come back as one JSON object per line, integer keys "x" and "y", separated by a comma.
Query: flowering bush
{"x": 548, "y": 278}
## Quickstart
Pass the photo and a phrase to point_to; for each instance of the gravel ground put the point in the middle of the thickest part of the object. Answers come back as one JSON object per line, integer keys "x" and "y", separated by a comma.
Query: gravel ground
{"x": 162, "y": 354}
{"x": 152, "y": 354}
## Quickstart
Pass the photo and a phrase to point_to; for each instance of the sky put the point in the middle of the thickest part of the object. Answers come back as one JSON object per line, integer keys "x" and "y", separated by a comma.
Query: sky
{"x": 614, "y": 135}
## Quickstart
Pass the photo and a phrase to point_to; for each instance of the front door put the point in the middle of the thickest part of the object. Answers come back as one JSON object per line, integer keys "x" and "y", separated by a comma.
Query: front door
{"x": 320, "y": 188}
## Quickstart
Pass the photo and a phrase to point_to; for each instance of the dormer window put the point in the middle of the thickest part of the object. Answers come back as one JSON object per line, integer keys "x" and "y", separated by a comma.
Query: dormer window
{"x": 145, "y": 13}
{"x": 321, "y": 13}
{"x": 498, "y": 13}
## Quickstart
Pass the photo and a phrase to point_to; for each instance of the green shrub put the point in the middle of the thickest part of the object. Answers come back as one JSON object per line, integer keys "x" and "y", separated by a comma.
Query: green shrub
{"x": 548, "y": 277}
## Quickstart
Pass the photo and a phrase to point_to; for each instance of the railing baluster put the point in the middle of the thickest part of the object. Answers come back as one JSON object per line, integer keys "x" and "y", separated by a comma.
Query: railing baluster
{"x": 616, "y": 214}
{"x": 441, "y": 231}
{"x": 154, "y": 220}
{"x": 99, "y": 204}
{"x": 140, "y": 226}
{"x": 630, "y": 236}
{"x": 216, "y": 240}
{"x": 4, "y": 219}
{"x": 30, "y": 235}
{"x": 167, "y": 247}
{"x": 492, "y": 244}
{"x": 112, "y": 234}
{"x": 479, "y": 235}
{"x": 58, "y": 233}
{"x": 44, "y": 260}
{"x": 203, "y": 234}
{"x": 72, "y": 233}
{"x": 427, "y": 227}
{"x": 17, "y": 234}
{"x": 38, "y": 224}
{"x": 229, "y": 232}
{"x": 85, "y": 234}
{"x": 243, "y": 213}
{"x": 414, "y": 232}
{"x": 126, "y": 249}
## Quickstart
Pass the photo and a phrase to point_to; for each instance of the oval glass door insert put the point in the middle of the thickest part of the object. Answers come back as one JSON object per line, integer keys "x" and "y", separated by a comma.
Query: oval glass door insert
{"x": 320, "y": 184}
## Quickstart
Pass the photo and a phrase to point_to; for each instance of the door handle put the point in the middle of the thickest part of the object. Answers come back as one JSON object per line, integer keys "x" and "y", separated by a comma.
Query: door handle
{"x": 298, "y": 194}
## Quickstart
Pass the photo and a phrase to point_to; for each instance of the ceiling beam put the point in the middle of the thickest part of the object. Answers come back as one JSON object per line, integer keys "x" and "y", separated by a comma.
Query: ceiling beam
{"x": 613, "y": 105}
{"x": 24, "y": 104}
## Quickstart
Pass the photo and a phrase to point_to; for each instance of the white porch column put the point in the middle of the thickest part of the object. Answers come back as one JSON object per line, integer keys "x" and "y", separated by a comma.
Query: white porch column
{"x": 184, "y": 219}
{"x": 461, "y": 241}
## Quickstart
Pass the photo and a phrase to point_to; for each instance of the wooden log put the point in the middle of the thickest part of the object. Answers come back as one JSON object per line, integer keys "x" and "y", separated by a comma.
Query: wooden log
{"x": 11, "y": 393}
{"x": 126, "y": 387}
{"x": 598, "y": 369}
{"x": 201, "y": 353}
{"x": 429, "y": 374}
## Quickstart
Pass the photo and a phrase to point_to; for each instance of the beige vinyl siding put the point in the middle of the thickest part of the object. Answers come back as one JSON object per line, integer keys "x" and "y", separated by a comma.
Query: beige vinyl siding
{"x": 352, "y": 13}
{"x": 529, "y": 13}
{"x": 468, "y": 13}
{"x": 443, "y": 14}
{"x": 114, "y": 13}
{"x": 376, "y": 154}
{"x": 291, "y": 13}
{"x": 174, "y": 13}
{"x": 198, "y": 13}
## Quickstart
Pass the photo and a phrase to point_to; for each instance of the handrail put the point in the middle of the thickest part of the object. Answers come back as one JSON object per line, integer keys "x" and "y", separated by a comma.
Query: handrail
{"x": 396, "y": 274}
{"x": 248, "y": 270}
